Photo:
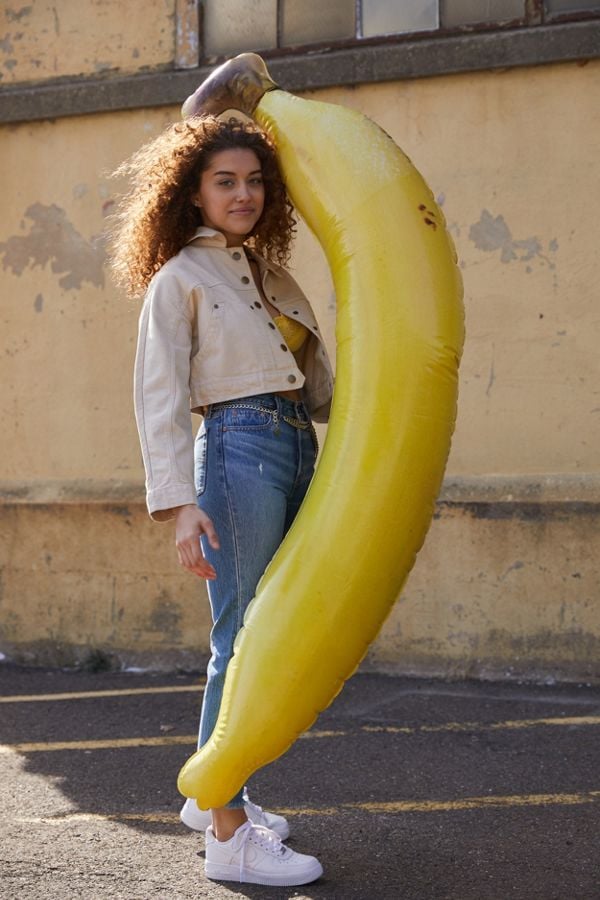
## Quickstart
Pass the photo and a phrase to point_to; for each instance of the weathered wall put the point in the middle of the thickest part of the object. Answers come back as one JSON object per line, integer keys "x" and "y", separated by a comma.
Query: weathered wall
{"x": 506, "y": 585}
{"x": 42, "y": 40}
{"x": 512, "y": 158}
{"x": 96, "y": 580}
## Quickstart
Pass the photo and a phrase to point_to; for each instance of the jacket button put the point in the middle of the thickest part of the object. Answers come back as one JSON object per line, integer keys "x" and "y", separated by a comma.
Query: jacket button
{"x": 258, "y": 304}
{"x": 215, "y": 305}
{"x": 283, "y": 347}
{"x": 291, "y": 378}
{"x": 245, "y": 279}
{"x": 236, "y": 255}
{"x": 295, "y": 312}
{"x": 271, "y": 326}
{"x": 315, "y": 328}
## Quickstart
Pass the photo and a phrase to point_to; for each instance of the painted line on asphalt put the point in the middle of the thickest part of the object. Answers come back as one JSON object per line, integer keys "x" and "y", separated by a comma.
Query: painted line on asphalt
{"x": 511, "y": 800}
{"x": 62, "y": 818}
{"x": 574, "y": 721}
{"x": 124, "y": 743}
{"x": 93, "y": 695}
{"x": 397, "y": 807}
{"x": 177, "y": 739}
{"x": 425, "y": 806}
{"x": 109, "y": 744}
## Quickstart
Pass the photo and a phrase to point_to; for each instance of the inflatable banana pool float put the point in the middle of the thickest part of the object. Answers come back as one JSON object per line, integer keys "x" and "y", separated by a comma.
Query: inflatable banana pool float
{"x": 399, "y": 330}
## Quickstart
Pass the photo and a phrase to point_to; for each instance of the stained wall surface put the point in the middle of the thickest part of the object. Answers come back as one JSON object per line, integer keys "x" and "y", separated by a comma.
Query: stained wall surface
{"x": 43, "y": 40}
{"x": 512, "y": 158}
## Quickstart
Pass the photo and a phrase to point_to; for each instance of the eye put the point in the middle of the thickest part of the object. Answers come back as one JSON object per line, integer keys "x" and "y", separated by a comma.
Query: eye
{"x": 257, "y": 180}
{"x": 226, "y": 182}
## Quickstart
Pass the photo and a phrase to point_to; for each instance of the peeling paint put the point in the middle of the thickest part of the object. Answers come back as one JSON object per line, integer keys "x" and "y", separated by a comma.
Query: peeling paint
{"x": 490, "y": 234}
{"x": 15, "y": 15}
{"x": 53, "y": 239}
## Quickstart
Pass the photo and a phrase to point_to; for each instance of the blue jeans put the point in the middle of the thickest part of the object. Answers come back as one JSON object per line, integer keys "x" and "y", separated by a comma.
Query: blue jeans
{"x": 252, "y": 470}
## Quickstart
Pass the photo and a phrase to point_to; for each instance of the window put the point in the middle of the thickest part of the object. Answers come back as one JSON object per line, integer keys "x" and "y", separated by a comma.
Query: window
{"x": 277, "y": 27}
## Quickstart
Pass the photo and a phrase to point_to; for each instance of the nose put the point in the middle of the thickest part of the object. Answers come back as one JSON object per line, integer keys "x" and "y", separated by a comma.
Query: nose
{"x": 243, "y": 192}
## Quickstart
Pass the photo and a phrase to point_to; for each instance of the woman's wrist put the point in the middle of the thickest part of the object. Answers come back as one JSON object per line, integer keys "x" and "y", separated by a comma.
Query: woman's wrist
{"x": 179, "y": 509}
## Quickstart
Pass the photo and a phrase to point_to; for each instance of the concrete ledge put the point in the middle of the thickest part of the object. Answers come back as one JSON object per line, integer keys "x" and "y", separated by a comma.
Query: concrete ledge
{"x": 96, "y": 581}
{"x": 387, "y": 61}
{"x": 76, "y": 491}
{"x": 581, "y": 489}
{"x": 505, "y": 586}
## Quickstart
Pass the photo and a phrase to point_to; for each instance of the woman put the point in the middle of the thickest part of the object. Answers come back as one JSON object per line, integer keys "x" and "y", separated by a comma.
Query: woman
{"x": 225, "y": 332}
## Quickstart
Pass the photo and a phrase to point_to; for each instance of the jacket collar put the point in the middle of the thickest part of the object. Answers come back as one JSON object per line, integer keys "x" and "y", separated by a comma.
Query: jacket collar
{"x": 210, "y": 237}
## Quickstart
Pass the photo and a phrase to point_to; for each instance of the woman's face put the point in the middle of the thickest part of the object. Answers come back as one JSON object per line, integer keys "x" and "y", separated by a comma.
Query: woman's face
{"x": 231, "y": 194}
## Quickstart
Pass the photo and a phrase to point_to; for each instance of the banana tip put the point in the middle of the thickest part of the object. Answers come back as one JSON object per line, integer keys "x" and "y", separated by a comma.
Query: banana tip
{"x": 239, "y": 83}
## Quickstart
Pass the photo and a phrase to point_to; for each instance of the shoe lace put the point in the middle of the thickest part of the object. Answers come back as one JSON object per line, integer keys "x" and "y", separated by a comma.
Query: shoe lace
{"x": 263, "y": 837}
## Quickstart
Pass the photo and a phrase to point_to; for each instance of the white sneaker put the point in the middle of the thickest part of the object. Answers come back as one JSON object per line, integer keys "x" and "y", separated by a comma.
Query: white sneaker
{"x": 200, "y": 819}
{"x": 255, "y": 855}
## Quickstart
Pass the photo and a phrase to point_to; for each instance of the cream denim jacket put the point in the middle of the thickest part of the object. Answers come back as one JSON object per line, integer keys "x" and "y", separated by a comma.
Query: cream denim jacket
{"x": 205, "y": 336}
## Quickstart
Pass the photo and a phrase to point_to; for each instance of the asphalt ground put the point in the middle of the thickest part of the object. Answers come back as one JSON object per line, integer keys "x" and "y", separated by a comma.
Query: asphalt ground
{"x": 404, "y": 788}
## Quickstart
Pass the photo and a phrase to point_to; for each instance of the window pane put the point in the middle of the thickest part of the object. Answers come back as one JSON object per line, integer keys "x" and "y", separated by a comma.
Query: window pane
{"x": 310, "y": 21}
{"x": 237, "y": 25}
{"x": 466, "y": 12}
{"x": 396, "y": 16}
{"x": 571, "y": 5}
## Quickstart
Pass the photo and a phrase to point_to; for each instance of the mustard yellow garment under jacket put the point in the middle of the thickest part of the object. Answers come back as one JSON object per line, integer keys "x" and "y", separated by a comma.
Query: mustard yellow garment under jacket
{"x": 205, "y": 336}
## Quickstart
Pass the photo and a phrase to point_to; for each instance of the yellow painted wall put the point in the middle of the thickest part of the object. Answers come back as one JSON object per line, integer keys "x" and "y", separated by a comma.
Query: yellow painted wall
{"x": 518, "y": 206}
{"x": 47, "y": 40}
{"x": 512, "y": 157}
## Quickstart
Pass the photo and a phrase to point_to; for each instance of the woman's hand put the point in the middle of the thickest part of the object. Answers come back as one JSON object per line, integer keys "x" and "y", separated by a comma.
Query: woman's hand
{"x": 190, "y": 523}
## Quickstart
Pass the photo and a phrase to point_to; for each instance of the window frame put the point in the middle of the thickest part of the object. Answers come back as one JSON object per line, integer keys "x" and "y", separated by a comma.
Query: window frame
{"x": 534, "y": 15}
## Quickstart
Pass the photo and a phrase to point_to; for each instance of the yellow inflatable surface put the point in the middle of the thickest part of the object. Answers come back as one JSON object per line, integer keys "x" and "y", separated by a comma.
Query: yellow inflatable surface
{"x": 399, "y": 330}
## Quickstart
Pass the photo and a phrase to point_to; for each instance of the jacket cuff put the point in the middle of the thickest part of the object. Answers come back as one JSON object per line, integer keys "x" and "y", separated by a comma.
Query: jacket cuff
{"x": 162, "y": 502}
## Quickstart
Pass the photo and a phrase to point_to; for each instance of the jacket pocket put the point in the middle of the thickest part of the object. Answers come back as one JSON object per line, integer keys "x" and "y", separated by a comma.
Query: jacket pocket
{"x": 209, "y": 327}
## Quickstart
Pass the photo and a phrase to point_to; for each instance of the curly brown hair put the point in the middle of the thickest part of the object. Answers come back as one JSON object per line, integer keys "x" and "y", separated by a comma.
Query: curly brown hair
{"x": 157, "y": 217}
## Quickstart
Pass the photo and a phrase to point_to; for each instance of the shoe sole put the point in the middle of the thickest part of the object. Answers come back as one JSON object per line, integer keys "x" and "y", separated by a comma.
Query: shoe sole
{"x": 283, "y": 832}
{"x": 217, "y": 872}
